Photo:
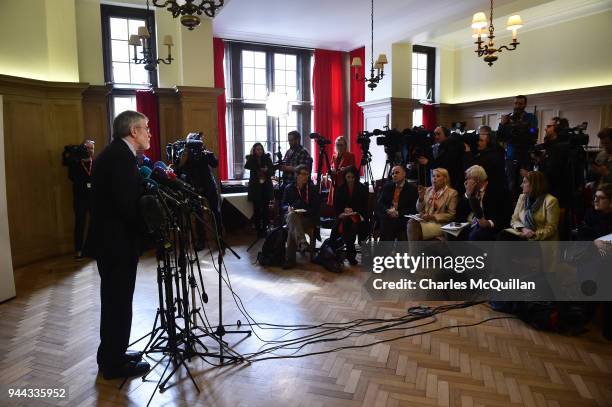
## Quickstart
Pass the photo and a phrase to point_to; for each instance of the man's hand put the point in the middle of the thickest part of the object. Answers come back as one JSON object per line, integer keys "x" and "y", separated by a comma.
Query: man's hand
{"x": 483, "y": 223}
{"x": 470, "y": 187}
{"x": 505, "y": 119}
{"x": 289, "y": 209}
{"x": 392, "y": 212}
{"x": 527, "y": 233}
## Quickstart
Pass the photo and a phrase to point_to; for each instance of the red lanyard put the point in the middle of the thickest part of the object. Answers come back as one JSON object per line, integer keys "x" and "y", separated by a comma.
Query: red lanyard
{"x": 87, "y": 170}
{"x": 300, "y": 193}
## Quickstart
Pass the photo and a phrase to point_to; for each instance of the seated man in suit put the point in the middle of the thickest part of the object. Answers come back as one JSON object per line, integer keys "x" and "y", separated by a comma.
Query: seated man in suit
{"x": 484, "y": 205}
{"x": 301, "y": 204}
{"x": 397, "y": 198}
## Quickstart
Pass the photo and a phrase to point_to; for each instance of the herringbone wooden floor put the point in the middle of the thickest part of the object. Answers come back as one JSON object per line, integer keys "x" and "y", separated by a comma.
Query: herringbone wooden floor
{"x": 49, "y": 335}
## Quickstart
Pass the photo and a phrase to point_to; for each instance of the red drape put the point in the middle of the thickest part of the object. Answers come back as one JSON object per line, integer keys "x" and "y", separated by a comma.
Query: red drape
{"x": 328, "y": 97}
{"x": 219, "y": 52}
{"x": 357, "y": 95}
{"x": 429, "y": 117}
{"x": 146, "y": 103}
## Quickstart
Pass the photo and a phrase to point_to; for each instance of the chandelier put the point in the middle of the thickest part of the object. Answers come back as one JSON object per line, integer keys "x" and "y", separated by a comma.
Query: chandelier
{"x": 143, "y": 38}
{"x": 379, "y": 65}
{"x": 189, "y": 10}
{"x": 479, "y": 24}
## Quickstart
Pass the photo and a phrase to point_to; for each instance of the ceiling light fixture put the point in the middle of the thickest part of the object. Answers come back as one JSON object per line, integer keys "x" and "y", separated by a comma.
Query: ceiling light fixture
{"x": 190, "y": 10}
{"x": 379, "y": 66}
{"x": 479, "y": 24}
{"x": 148, "y": 56}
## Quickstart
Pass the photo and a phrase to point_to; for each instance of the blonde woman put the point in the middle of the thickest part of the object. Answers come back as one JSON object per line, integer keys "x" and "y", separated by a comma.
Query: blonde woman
{"x": 436, "y": 205}
{"x": 536, "y": 215}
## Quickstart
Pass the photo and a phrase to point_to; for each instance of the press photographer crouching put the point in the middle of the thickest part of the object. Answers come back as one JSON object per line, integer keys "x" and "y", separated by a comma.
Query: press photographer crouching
{"x": 196, "y": 163}
{"x": 301, "y": 204}
{"x": 79, "y": 160}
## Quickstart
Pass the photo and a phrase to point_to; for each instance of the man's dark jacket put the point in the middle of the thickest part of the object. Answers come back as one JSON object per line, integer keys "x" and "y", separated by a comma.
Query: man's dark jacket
{"x": 291, "y": 197}
{"x": 496, "y": 206}
{"x": 116, "y": 226}
{"x": 406, "y": 202}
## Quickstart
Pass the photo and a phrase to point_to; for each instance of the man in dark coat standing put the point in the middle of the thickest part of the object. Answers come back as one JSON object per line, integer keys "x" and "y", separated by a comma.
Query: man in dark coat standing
{"x": 114, "y": 241}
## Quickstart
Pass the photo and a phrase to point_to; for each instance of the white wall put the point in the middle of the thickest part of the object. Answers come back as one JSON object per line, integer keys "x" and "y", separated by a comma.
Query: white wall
{"x": 7, "y": 280}
{"x": 570, "y": 55}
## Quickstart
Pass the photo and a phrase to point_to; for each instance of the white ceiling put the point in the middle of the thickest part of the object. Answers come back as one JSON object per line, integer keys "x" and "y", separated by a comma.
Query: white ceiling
{"x": 345, "y": 24}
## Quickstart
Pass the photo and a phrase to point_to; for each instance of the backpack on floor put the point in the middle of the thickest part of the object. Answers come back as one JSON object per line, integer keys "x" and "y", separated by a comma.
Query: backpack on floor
{"x": 331, "y": 255}
{"x": 562, "y": 317}
{"x": 273, "y": 250}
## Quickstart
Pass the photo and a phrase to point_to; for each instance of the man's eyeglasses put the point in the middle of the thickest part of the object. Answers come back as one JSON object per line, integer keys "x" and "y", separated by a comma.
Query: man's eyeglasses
{"x": 146, "y": 128}
{"x": 600, "y": 198}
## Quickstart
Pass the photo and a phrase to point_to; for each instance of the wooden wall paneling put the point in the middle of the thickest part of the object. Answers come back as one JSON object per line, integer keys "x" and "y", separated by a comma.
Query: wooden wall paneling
{"x": 95, "y": 116}
{"x": 493, "y": 120}
{"x": 170, "y": 126}
{"x": 401, "y": 112}
{"x": 40, "y": 118}
{"x": 198, "y": 108}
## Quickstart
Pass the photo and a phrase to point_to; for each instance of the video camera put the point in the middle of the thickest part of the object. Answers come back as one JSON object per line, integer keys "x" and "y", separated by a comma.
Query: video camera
{"x": 518, "y": 132}
{"x": 193, "y": 143}
{"x": 73, "y": 153}
{"x": 320, "y": 140}
{"x": 575, "y": 136}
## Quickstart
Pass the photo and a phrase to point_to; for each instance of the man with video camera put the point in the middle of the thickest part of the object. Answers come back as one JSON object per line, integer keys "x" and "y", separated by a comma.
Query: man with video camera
{"x": 196, "y": 163}
{"x": 79, "y": 160}
{"x": 519, "y": 131}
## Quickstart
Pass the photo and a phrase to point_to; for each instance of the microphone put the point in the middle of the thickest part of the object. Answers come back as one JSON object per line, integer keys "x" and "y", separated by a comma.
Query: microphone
{"x": 145, "y": 172}
{"x": 163, "y": 178}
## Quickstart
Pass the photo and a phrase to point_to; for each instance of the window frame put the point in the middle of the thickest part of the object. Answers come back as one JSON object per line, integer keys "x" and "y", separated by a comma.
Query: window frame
{"x": 236, "y": 104}
{"x": 106, "y": 12}
{"x": 431, "y": 67}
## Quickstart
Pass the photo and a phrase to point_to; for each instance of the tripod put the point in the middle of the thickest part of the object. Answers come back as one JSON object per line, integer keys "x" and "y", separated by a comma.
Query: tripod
{"x": 176, "y": 336}
{"x": 323, "y": 156}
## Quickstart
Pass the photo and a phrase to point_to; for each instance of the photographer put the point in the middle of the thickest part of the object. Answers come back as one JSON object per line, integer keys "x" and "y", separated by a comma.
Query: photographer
{"x": 602, "y": 166}
{"x": 449, "y": 155}
{"x": 490, "y": 156}
{"x": 554, "y": 161}
{"x": 260, "y": 186}
{"x": 519, "y": 130}
{"x": 197, "y": 163}
{"x": 296, "y": 155}
{"x": 79, "y": 160}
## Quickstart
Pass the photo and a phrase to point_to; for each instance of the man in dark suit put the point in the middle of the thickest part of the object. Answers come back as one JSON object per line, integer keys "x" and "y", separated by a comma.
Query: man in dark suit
{"x": 397, "y": 198}
{"x": 114, "y": 241}
{"x": 484, "y": 205}
{"x": 491, "y": 157}
{"x": 449, "y": 155}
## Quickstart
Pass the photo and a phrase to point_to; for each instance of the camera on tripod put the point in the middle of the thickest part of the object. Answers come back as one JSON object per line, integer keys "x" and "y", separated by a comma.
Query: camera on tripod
{"x": 74, "y": 153}
{"x": 518, "y": 132}
{"x": 320, "y": 140}
{"x": 193, "y": 143}
{"x": 576, "y": 136}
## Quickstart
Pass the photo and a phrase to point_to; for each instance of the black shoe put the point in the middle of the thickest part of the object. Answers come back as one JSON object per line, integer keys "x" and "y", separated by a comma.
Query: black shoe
{"x": 129, "y": 369}
{"x": 133, "y": 356}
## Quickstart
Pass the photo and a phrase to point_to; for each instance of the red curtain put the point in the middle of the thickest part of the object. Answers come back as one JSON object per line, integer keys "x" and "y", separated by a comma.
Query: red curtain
{"x": 146, "y": 103}
{"x": 328, "y": 97}
{"x": 219, "y": 52}
{"x": 357, "y": 95}
{"x": 429, "y": 117}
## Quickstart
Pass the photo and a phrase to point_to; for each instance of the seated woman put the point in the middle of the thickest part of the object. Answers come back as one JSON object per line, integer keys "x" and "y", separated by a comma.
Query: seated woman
{"x": 436, "y": 205}
{"x": 536, "y": 215}
{"x": 350, "y": 207}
